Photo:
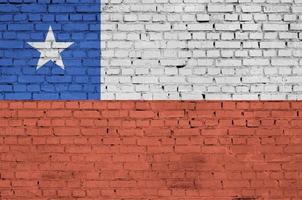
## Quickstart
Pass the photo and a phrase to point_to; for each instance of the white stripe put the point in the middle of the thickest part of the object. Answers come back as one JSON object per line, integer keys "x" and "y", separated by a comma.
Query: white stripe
{"x": 201, "y": 50}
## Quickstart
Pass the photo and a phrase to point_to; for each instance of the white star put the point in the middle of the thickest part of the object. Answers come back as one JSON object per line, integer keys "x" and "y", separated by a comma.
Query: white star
{"x": 50, "y": 50}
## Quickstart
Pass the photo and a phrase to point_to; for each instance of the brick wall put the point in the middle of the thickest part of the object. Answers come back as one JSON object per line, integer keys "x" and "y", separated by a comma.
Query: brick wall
{"x": 150, "y": 150}
{"x": 201, "y": 49}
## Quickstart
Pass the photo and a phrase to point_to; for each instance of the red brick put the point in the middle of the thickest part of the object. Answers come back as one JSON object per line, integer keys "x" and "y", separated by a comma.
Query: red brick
{"x": 8, "y": 113}
{"x": 227, "y": 114}
{"x": 4, "y": 184}
{"x": 201, "y": 114}
{"x": 161, "y": 149}
{"x": 201, "y": 105}
{"x": 188, "y": 149}
{"x": 171, "y": 114}
{"x": 141, "y": 114}
{"x": 16, "y": 104}
{"x": 277, "y": 105}
{"x": 87, "y": 114}
{"x": 30, "y": 113}
{"x": 59, "y": 113}
{"x": 228, "y": 105}
{"x": 284, "y": 114}
{"x": 242, "y": 131}
{"x": 66, "y": 131}
{"x": 213, "y": 149}
{"x": 93, "y": 131}
{"x": 186, "y": 132}
{"x": 115, "y": 114}
{"x": 269, "y": 132}
{"x": 137, "y": 166}
{"x": 213, "y": 132}
{"x": 57, "y": 104}
{"x": 149, "y": 141}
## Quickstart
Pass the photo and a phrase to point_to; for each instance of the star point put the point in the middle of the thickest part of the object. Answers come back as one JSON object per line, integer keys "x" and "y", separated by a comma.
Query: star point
{"x": 50, "y": 50}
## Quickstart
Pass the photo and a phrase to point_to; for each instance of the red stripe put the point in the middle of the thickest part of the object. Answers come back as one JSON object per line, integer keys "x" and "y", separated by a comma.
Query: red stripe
{"x": 150, "y": 149}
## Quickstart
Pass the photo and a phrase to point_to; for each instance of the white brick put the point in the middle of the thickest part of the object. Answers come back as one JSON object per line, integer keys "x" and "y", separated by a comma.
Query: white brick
{"x": 274, "y": 17}
{"x": 256, "y": 61}
{"x": 184, "y": 36}
{"x": 151, "y": 54}
{"x": 227, "y": 80}
{"x": 296, "y": 26}
{"x": 199, "y": 35}
{"x": 284, "y": 62}
{"x": 268, "y": 96}
{"x": 227, "y": 27}
{"x": 293, "y": 79}
{"x": 276, "y": 8}
{"x": 255, "y": 79}
{"x": 227, "y": 44}
{"x": 227, "y": 53}
{"x": 242, "y": 89}
{"x": 194, "y": 8}
{"x": 220, "y": 8}
{"x": 147, "y": 45}
{"x": 246, "y": 17}
{"x": 245, "y": 96}
{"x": 143, "y": 8}
{"x": 297, "y": 9}
{"x": 201, "y": 80}
{"x": 128, "y": 96}
{"x": 270, "y": 71}
{"x": 285, "y": 70}
{"x": 288, "y": 35}
{"x": 228, "y": 62}
{"x": 205, "y": 62}
{"x": 199, "y": 44}
{"x": 231, "y": 17}
{"x": 119, "y": 44}
{"x": 176, "y": 44}
{"x": 188, "y": 18}
{"x": 273, "y": 45}
{"x": 275, "y": 27}
{"x": 130, "y": 17}
{"x": 172, "y": 79}
{"x": 172, "y": 62}
{"x": 227, "y": 89}
{"x": 144, "y": 79}
{"x": 260, "y": 17}
{"x": 131, "y": 27}
{"x": 227, "y": 36}
{"x": 218, "y": 96}
{"x": 200, "y": 27}
{"x": 251, "y": 27}
{"x": 191, "y": 96}
{"x": 171, "y": 71}
{"x": 158, "y": 27}
{"x": 250, "y": 45}
{"x": 203, "y": 17}
{"x": 290, "y": 17}
{"x": 251, "y": 8}
{"x": 294, "y": 44}
{"x": 121, "y": 62}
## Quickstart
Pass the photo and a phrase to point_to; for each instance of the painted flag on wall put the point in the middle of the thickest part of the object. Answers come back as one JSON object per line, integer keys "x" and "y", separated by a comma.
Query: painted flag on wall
{"x": 227, "y": 58}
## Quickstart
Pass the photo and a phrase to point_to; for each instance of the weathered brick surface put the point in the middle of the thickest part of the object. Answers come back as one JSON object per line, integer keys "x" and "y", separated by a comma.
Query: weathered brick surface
{"x": 150, "y": 150}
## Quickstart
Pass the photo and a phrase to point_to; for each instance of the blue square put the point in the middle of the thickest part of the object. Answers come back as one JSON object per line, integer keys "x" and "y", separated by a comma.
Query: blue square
{"x": 29, "y": 22}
